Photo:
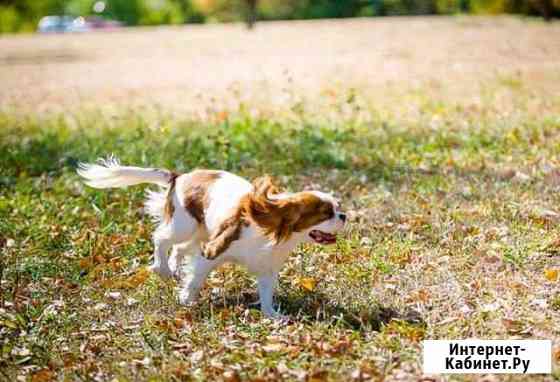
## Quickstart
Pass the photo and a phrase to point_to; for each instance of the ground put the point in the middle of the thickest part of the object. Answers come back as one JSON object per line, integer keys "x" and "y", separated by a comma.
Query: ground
{"x": 441, "y": 136}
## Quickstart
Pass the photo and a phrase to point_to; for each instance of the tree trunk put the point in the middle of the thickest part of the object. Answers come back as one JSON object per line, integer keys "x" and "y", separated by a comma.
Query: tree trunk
{"x": 251, "y": 13}
{"x": 545, "y": 8}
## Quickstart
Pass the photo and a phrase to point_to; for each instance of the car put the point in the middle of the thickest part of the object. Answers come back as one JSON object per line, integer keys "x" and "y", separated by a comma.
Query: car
{"x": 61, "y": 24}
{"x": 54, "y": 24}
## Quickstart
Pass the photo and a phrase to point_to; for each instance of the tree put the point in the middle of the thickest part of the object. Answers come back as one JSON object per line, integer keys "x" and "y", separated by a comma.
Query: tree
{"x": 544, "y": 7}
{"x": 251, "y": 13}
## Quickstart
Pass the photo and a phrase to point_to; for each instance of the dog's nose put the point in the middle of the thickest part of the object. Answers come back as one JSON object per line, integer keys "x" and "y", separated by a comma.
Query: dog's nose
{"x": 342, "y": 217}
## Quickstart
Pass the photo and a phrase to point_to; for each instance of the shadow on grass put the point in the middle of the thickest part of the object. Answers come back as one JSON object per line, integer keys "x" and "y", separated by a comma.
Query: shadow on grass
{"x": 35, "y": 147}
{"x": 318, "y": 307}
{"x": 356, "y": 315}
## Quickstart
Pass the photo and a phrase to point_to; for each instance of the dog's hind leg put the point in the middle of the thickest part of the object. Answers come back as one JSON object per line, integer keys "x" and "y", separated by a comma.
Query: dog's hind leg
{"x": 163, "y": 240}
{"x": 179, "y": 229}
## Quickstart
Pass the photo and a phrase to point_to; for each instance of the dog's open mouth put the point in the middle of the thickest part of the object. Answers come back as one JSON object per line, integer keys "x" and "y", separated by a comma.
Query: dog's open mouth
{"x": 321, "y": 237}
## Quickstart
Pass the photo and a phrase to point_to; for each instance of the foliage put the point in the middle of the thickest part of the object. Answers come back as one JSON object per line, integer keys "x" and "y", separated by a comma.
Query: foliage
{"x": 23, "y": 15}
{"x": 10, "y": 20}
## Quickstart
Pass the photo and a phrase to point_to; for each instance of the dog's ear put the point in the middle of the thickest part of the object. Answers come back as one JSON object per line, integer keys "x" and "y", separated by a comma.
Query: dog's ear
{"x": 275, "y": 217}
{"x": 264, "y": 186}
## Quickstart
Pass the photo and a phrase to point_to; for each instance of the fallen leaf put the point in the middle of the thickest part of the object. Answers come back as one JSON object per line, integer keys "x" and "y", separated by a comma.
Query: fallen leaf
{"x": 282, "y": 368}
{"x": 21, "y": 352}
{"x": 182, "y": 346}
{"x": 196, "y": 357}
{"x": 513, "y": 326}
{"x": 553, "y": 177}
{"x": 86, "y": 263}
{"x": 136, "y": 279}
{"x": 180, "y": 322}
{"x": 114, "y": 295}
{"x": 131, "y": 282}
{"x": 505, "y": 173}
{"x": 231, "y": 376}
{"x": 551, "y": 274}
{"x": 44, "y": 375}
{"x": 131, "y": 301}
{"x": 365, "y": 372}
{"x": 553, "y": 247}
{"x": 521, "y": 177}
{"x": 340, "y": 347}
{"x": 146, "y": 361}
{"x": 100, "y": 306}
{"x": 366, "y": 242}
{"x": 413, "y": 332}
{"x": 556, "y": 354}
{"x": 307, "y": 283}
{"x": 421, "y": 295}
{"x": 216, "y": 364}
{"x": 318, "y": 376}
{"x": 275, "y": 347}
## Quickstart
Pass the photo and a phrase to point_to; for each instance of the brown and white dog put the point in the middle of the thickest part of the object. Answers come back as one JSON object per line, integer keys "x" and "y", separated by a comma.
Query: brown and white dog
{"x": 217, "y": 217}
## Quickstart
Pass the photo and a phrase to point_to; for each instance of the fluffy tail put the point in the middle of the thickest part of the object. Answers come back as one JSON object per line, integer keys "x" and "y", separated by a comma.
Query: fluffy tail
{"x": 109, "y": 173}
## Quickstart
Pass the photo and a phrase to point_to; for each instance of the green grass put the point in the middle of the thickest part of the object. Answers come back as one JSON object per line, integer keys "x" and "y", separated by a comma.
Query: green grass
{"x": 453, "y": 225}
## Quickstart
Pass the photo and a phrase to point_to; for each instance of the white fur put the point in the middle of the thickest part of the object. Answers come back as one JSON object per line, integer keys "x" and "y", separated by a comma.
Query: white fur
{"x": 185, "y": 235}
{"x": 109, "y": 173}
{"x": 155, "y": 203}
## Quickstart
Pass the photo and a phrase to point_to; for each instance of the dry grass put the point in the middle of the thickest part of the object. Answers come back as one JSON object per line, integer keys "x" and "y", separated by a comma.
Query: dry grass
{"x": 441, "y": 136}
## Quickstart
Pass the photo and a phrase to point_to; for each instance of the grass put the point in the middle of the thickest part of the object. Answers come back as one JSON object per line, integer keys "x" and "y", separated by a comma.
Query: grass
{"x": 453, "y": 230}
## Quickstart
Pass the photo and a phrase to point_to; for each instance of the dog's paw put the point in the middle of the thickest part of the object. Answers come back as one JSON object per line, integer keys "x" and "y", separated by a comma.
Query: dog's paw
{"x": 187, "y": 299}
{"x": 271, "y": 313}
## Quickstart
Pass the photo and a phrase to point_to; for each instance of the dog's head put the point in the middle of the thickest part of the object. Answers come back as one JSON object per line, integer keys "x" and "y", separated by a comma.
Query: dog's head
{"x": 313, "y": 214}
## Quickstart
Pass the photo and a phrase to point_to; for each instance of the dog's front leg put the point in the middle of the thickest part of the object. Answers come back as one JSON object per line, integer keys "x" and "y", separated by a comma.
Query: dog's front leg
{"x": 194, "y": 271}
{"x": 178, "y": 253}
{"x": 266, "y": 285}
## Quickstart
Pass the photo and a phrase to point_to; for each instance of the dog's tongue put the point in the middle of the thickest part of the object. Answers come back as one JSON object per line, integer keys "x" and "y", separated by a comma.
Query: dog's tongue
{"x": 323, "y": 237}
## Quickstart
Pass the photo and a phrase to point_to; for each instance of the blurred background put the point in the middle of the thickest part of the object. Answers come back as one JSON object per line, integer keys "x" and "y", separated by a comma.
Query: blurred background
{"x": 206, "y": 58}
{"x": 82, "y": 15}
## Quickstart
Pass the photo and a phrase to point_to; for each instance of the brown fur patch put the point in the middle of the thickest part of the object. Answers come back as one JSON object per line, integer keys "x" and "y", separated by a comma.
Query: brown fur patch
{"x": 169, "y": 208}
{"x": 196, "y": 192}
{"x": 228, "y": 232}
{"x": 278, "y": 219}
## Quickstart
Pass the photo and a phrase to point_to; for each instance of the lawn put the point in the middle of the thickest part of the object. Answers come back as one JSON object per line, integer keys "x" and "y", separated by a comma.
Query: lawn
{"x": 452, "y": 190}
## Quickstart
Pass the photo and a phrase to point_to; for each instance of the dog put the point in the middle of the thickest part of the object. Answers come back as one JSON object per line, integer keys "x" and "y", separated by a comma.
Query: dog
{"x": 218, "y": 217}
